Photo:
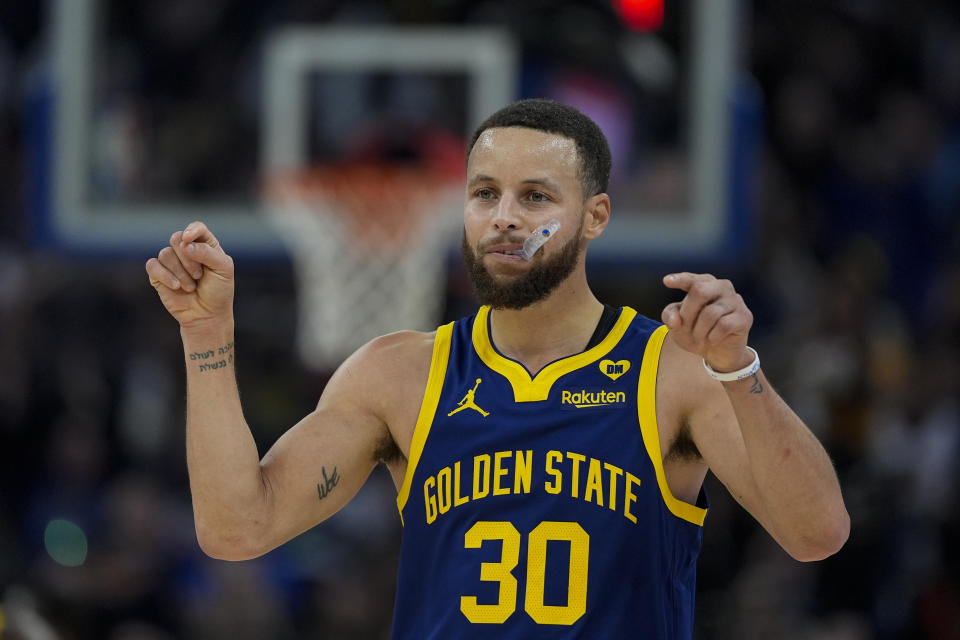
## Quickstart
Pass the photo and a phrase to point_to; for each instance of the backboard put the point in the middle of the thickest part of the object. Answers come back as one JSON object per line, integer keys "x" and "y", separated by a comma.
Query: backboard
{"x": 673, "y": 185}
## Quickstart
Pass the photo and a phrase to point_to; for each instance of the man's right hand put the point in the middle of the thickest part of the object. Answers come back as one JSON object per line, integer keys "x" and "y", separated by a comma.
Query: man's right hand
{"x": 194, "y": 278}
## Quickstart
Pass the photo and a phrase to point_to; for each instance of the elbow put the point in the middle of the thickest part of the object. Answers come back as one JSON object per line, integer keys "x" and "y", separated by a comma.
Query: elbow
{"x": 828, "y": 539}
{"x": 229, "y": 547}
{"x": 224, "y": 550}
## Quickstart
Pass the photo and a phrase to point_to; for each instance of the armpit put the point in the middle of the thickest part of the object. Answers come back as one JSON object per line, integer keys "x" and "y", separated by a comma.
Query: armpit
{"x": 387, "y": 451}
{"x": 683, "y": 448}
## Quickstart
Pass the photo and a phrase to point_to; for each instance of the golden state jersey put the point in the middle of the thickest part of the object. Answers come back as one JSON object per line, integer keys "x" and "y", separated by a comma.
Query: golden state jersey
{"x": 537, "y": 507}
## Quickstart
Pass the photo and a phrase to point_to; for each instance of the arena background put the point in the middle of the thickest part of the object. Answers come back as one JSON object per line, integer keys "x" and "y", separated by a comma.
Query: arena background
{"x": 810, "y": 151}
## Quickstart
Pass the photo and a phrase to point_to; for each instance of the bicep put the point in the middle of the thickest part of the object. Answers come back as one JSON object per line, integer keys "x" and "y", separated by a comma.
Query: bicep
{"x": 318, "y": 466}
{"x": 715, "y": 432}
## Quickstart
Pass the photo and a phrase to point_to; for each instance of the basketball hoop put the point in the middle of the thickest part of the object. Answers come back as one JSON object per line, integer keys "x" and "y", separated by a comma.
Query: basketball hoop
{"x": 368, "y": 242}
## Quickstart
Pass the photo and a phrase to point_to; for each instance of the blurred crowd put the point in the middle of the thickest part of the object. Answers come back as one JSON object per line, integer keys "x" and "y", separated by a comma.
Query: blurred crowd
{"x": 854, "y": 280}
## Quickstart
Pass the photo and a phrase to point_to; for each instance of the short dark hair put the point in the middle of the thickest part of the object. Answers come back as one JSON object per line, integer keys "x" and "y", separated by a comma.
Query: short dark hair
{"x": 551, "y": 116}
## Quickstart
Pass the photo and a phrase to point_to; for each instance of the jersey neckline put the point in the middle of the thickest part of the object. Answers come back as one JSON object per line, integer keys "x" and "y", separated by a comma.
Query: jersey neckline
{"x": 537, "y": 388}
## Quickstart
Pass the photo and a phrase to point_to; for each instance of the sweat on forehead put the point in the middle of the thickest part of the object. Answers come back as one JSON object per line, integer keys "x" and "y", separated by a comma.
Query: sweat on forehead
{"x": 500, "y": 152}
{"x": 530, "y": 140}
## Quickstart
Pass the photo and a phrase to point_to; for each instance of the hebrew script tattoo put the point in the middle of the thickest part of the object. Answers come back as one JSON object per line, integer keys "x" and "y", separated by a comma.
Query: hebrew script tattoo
{"x": 324, "y": 488}
{"x": 213, "y": 359}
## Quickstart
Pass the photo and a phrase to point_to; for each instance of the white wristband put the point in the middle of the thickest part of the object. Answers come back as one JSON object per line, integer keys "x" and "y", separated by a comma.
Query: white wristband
{"x": 739, "y": 374}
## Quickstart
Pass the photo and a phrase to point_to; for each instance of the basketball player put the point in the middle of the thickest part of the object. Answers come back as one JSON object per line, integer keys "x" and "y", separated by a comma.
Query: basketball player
{"x": 548, "y": 452}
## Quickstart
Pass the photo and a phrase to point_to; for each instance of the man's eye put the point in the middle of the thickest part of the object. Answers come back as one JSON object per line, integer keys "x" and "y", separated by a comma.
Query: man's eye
{"x": 484, "y": 194}
{"x": 537, "y": 196}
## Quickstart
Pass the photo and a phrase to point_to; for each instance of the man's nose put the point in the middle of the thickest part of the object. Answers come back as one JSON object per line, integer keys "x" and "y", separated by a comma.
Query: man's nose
{"x": 508, "y": 215}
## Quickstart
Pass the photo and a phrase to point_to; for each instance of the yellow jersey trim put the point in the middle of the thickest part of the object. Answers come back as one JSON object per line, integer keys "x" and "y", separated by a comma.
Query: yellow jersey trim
{"x": 428, "y": 409}
{"x": 537, "y": 389}
{"x": 647, "y": 412}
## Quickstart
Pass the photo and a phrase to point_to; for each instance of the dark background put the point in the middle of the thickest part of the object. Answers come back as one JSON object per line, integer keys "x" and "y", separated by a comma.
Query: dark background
{"x": 853, "y": 276}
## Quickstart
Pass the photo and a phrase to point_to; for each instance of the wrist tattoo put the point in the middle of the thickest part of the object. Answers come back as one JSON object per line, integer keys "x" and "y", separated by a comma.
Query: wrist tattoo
{"x": 757, "y": 386}
{"x": 329, "y": 482}
{"x": 209, "y": 361}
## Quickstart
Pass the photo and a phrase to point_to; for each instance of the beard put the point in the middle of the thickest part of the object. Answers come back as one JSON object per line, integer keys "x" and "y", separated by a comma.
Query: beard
{"x": 527, "y": 288}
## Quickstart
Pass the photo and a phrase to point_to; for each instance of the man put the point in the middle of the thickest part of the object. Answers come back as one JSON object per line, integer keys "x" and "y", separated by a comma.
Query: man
{"x": 549, "y": 452}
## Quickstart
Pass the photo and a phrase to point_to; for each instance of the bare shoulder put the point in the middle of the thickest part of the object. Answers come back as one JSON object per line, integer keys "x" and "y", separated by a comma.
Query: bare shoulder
{"x": 683, "y": 389}
{"x": 388, "y": 375}
{"x": 401, "y": 348}
{"x": 395, "y": 359}
{"x": 682, "y": 375}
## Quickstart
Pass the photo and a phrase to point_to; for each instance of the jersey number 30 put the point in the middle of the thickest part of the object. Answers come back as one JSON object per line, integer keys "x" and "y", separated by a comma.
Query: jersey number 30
{"x": 502, "y": 572}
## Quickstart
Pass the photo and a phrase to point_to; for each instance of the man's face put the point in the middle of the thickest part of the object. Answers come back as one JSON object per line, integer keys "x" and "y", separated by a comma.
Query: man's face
{"x": 517, "y": 180}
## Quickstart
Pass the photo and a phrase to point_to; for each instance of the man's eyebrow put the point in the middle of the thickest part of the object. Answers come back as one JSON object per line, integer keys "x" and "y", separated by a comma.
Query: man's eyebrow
{"x": 549, "y": 184}
{"x": 545, "y": 182}
{"x": 480, "y": 178}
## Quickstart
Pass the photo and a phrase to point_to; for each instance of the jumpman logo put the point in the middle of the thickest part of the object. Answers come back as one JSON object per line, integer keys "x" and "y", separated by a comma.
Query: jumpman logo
{"x": 468, "y": 403}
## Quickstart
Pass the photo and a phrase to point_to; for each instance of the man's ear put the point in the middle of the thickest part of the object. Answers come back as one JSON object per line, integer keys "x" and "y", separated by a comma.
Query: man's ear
{"x": 597, "y": 216}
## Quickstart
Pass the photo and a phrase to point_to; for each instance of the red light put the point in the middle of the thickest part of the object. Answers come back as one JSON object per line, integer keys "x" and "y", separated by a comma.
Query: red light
{"x": 640, "y": 15}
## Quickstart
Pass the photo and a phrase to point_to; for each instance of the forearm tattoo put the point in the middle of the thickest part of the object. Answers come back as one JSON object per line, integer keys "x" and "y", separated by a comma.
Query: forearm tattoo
{"x": 213, "y": 359}
{"x": 329, "y": 482}
{"x": 757, "y": 386}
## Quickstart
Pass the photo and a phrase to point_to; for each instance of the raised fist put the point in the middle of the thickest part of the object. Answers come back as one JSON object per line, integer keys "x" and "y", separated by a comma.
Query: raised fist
{"x": 194, "y": 278}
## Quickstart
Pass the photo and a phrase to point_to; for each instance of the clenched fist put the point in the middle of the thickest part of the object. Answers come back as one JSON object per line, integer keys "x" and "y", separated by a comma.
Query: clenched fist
{"x": 712, "y": 320}
{"x": 194, "y": 278}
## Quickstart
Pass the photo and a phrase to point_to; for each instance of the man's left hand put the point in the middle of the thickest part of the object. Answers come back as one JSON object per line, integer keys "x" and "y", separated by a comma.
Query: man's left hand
{"x": 712, "y": 320}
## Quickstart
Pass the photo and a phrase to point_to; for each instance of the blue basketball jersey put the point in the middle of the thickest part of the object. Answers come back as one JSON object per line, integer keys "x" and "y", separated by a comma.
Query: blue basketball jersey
{"x": 538, "y": 507}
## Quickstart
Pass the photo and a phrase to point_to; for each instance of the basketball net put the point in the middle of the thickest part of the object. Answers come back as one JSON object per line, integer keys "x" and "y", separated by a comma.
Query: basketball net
{"x": 369, "y": 243}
